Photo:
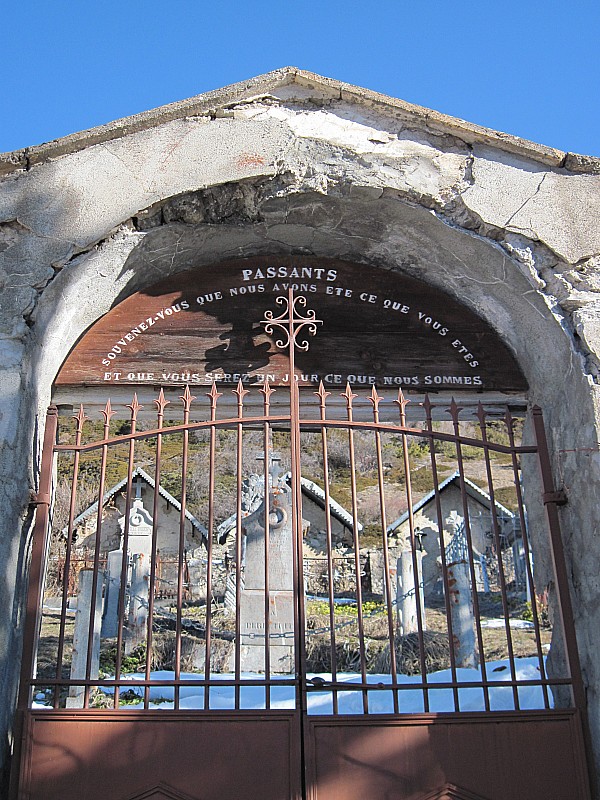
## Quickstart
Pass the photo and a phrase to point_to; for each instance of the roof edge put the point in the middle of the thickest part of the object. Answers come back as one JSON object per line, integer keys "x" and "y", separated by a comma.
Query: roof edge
{"x": 204, "y": 104}
{"x": 427, "y": 498}
{"x": 198, "y": 105}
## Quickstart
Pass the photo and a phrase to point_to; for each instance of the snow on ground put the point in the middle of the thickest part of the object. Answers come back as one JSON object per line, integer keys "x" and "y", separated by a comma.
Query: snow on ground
{"x": 522, "y": 624}
{"x": 471, "y": 698}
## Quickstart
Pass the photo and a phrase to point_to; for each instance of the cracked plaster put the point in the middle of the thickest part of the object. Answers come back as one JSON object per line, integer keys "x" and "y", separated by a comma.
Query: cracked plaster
{"x": 552, "y": 206}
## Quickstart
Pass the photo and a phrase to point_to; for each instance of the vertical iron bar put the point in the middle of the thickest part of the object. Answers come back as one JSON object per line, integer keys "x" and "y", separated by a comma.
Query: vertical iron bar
{"x": 375, "y": 400}
{"x": 80, "y": 417}
{"x": 508, "y": 420}
{"x": 39, "y": 556}
{"x": 214, "y": 396}
{"x": 186, "y": 399}
{"x": 454, "y": 411}
{"x": 239, "y": 392}
{"x": 160, "y": 404}
{"x": 107, "y": 413}
{"x": 135, "y": 407}
{"x": 498, "y": 544}
{"x": 348, "y": 395}
{"x": 322, "y": 395}
{"x": 402, "y": 403}
{"x": 440, "y": 522}
{"x": 297, "y": 549}
{"x": 267, "y": 391}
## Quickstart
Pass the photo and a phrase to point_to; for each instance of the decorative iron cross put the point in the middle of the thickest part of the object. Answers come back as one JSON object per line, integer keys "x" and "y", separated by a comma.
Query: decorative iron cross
{"x": 291, "y": 321}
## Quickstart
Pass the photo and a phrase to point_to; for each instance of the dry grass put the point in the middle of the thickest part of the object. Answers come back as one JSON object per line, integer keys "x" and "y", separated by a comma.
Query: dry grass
{"x": 193, "y": 653}
{"x": 318, "y": 642}
{"x": 435, "y": 639}
{"x": 408, "y": 659}
{"x": 494, "y": 639}
{"x": 48, "y": 645}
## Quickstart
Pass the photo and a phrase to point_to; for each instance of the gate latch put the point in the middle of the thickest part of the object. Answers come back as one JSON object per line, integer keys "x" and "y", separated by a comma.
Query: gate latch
{"x": 559, "y": 497}
{"x": 318, "y": 681}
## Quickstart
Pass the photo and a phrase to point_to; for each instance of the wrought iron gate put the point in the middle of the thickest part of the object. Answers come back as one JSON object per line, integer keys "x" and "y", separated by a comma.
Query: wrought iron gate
{"x": 359, "y": 616}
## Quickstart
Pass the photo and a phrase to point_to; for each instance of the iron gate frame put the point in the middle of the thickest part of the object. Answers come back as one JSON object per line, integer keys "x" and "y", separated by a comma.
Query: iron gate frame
{"x": 293, "y": 325}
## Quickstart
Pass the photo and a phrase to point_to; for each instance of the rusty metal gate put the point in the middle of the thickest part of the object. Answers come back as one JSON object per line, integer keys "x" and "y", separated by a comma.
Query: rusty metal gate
{"x": 266, "y": 593}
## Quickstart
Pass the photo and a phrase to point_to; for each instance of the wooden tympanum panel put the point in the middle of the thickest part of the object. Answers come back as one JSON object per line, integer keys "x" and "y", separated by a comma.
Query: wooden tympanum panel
{"x": 378, "y": 328}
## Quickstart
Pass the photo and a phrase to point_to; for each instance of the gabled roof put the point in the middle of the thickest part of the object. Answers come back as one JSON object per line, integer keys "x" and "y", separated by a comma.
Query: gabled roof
{"x": 138, "y": 471}
{"x": 314, "y": 491}
{"x": 282, "y": 82}
{"x": 471, "y": 488}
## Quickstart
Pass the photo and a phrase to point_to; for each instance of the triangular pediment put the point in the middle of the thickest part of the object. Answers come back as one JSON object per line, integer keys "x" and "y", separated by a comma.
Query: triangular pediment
{"x": 289, "y": 84}
{"x": 452, "y": 792}
{"x": 92, "y": 510}
{"x": 162, "y": 792}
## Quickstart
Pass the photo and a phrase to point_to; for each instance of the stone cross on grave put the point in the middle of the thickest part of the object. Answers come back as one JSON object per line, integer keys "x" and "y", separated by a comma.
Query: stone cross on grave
{"x": 274, "y": 469}
{"x": 454, "y": 521}
{"x": 137, "y": 485}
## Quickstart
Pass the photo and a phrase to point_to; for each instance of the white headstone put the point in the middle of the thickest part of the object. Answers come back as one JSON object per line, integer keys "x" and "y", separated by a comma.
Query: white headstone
{"x": 81, "y": 635}
{"x": 459, "y": 594}
{"x": 407, "y": 593}
{"x": 112, "y": 587}
{"x": 137, "y": 619}
{"x": 139, "y": 542}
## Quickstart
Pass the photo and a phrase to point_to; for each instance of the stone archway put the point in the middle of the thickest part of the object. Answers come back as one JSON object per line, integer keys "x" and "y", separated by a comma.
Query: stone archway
{"x": 68, "y": 725}
{"x": 486, "y": 218}
{"x": 381, "y": 231}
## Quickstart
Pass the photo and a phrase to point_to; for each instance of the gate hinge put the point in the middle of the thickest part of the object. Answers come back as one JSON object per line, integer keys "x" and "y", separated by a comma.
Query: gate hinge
{"x": 559, "y": 497}
{"x": 39, "y": 499}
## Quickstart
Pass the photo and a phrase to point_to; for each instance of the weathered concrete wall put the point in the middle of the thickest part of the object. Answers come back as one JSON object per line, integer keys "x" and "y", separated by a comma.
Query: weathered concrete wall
{"x": 296, "y": 164}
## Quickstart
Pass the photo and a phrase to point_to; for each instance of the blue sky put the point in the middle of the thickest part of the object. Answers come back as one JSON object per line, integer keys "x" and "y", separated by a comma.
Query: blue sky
{"x": 529, "y": 68}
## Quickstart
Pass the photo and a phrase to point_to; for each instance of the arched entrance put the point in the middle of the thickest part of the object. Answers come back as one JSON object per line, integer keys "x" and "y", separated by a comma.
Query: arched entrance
{"x": 299, "y": 583}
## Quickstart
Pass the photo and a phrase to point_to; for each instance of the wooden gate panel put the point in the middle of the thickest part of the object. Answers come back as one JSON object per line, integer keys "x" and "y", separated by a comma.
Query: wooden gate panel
{"x": 155, "y": 755}
{"x": 429, "y": 758}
